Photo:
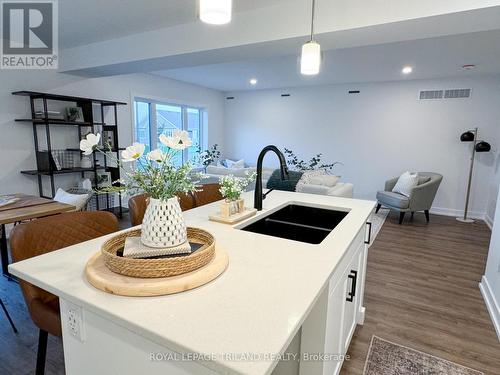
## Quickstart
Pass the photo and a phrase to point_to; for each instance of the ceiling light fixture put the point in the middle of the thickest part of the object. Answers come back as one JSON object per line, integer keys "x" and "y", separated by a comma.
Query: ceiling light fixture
{"x": 310, "y": 61}
{"x": 407, "y": 70}
{"x": 216, "y": 12}
{"x": 253, "y": 81}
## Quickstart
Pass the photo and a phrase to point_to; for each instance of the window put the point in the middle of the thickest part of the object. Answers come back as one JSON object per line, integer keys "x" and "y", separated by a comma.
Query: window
{"x": 154, "y": 118}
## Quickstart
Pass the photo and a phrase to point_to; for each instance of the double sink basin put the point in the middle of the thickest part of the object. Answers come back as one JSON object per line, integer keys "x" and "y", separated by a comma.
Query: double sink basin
{"x": 299, "y": 223}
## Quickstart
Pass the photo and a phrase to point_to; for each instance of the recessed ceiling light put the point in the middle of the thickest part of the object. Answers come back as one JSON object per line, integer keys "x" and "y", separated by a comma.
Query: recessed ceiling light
{"x": 468, "y": 67}
{"x": 407, "y": 70}
{"x": 253, "y": 81}
{"x": 216, "y": 12}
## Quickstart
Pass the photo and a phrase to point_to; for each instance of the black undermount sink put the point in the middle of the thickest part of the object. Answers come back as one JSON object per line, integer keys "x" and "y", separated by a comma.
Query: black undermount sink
{"x": 299, "y": 223}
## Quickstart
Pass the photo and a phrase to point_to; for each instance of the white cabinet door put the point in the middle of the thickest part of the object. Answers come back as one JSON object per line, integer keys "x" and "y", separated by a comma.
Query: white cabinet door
{"x": 351, "y": 287}
{"x": 333, "y": 339}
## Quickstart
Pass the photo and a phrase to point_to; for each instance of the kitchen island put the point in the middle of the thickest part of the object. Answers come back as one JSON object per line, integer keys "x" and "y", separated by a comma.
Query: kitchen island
{"x": 279, "y": 301}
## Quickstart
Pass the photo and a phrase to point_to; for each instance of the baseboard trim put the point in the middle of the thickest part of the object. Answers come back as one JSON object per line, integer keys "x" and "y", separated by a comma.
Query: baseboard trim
{"x": 456, "y": 213}
{"x": 491, "y": 304}
{"x": 489, "y": 221}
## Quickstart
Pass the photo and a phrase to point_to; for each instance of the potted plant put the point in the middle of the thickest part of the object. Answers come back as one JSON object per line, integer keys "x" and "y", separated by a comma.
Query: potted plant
{"x": 231, "y": 188}
{"x": 163, "y": 225}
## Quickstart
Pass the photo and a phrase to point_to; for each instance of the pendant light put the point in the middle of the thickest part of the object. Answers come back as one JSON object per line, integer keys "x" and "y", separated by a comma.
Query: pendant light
{"x": 216, "y": 12}
{"x": 310, "y": 60}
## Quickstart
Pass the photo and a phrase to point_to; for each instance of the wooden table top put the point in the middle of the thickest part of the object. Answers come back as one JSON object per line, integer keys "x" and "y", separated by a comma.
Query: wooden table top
{"x": 31, "y": 207}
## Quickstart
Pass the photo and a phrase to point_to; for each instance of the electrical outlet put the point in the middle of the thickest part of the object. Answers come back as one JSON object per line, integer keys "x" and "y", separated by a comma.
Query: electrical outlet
{"x": 74, "y": 320}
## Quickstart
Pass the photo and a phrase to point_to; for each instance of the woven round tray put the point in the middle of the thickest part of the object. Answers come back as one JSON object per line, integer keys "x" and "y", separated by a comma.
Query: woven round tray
{"x": 159, "y": 267}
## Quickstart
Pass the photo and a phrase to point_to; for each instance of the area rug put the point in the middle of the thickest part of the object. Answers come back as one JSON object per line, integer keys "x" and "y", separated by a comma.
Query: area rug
{"x": 387, "y": 358}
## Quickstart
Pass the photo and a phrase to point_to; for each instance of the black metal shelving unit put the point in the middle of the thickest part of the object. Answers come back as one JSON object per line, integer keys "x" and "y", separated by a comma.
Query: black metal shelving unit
{"x": 41, "y": 100}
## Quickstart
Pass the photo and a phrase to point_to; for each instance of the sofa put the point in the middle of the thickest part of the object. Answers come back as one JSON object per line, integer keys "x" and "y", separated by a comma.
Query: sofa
{"x": 340, "y": 189}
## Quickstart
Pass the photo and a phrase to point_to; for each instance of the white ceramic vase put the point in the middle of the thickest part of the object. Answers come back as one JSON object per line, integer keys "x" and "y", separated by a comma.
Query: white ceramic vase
{"x": 163, "y": 224}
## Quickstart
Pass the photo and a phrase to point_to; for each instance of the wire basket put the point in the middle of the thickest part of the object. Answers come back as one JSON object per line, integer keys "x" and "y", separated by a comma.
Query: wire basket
{"x": 94, "y": 198}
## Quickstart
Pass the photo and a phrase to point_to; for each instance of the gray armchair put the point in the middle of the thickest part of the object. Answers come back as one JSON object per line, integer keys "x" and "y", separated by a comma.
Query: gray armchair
{"x": 420, "y": 199}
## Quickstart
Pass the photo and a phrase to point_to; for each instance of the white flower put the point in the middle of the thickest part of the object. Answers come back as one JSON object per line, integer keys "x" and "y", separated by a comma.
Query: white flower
{"x": 178, "y": 141}
{"x": 134, "y": 152}
{"x": 157, "y": 155}
{"x": 90, "y": 143}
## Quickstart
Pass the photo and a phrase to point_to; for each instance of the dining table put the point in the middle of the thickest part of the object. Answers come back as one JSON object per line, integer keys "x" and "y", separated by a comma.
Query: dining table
{"x": 23, "y": 207}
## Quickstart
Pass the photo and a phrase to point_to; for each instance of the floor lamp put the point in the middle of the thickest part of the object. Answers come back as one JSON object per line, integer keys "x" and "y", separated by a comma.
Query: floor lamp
{"x": 478, "y": 146}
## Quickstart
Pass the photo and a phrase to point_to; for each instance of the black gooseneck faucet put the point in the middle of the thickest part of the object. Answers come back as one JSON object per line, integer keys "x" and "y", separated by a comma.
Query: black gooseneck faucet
{"x": 258, "y": 183}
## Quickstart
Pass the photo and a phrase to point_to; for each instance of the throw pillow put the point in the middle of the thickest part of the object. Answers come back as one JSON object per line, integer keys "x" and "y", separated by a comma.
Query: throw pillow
{"x": 235, "y": 164}
{"x": 289, "y": 184}
{"x": 77, "y": 200}
{"x": 326, "y": 180}
{"x": 308, "y": 175}
{"x": 405, "y": 184}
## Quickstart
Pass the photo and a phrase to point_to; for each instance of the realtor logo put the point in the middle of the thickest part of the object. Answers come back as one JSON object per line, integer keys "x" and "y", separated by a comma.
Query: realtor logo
{"x": 29, "y": 35}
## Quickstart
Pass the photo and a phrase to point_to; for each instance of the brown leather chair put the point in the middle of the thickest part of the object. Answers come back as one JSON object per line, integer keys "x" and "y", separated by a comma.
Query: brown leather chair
{"x": 138, "y": 203}
{"x": 136, "y": 208}
{"x": 45, "y": 235}
{"x": 210, "y": 193}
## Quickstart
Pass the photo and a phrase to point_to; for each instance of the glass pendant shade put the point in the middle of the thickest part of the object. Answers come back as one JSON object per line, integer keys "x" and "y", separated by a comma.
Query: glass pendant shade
{"x": 216, "y": 12}
{"x": 311, "y": 58}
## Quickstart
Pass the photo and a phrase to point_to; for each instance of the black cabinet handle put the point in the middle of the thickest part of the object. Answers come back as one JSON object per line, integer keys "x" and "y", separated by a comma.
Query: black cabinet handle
{"x": 354, "y": 277}
{"x": 369, "y": 233}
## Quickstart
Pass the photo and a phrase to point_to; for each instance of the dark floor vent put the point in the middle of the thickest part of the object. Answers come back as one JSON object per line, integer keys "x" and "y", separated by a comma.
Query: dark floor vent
{"x": 230, "y": 97}
{"x": 354, "y": 91}
{"x": 285, "y": 95}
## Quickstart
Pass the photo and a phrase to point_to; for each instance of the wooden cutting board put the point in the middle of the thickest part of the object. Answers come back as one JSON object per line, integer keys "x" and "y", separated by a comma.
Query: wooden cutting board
{"x": 104, "y": 279}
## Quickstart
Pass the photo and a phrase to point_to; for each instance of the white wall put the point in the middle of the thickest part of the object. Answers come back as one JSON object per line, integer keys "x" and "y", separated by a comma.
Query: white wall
{"x": 16, "y": 139}
{"x": 490, "y": 284}
{"x": 378, "y": 133}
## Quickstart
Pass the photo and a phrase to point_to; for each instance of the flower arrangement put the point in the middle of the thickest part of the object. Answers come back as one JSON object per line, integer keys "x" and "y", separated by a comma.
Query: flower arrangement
{"x": 156, "y": 175}
{"x": 232, "y": 187}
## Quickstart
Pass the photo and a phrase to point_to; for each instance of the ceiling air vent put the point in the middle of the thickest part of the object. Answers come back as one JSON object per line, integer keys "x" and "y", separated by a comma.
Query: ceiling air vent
{"x": 431, "y": 94}
{"x": 457, "y": 93}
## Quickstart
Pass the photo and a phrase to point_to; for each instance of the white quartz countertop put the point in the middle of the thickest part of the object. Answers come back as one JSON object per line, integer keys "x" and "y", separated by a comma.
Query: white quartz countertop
{"x": 256, "y": 306}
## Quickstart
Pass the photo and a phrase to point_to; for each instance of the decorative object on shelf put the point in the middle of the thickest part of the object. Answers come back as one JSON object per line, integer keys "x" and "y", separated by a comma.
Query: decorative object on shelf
{"x": 477, "y": 146}
{"x": 75, "y": 114}
{"x": 103, "y": 179}
{"x": 163, "y": 225}
{"x": 209, "y": 156}
{"x": 314, "y": 163}
{"x": 52, "y": 115}
{"x": 231, "y": 189}
{"x": 310, "y": 60}
{"x": 87, "y": 184}
{"x": 201, "y": 242}
{"x": 55, "y": 159}
{"x": 85, "y": 162}
{"x": 216, "y": 12}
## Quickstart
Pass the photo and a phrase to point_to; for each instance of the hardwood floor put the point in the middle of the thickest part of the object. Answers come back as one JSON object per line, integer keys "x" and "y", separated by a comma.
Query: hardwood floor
{"x": 422, "y": 292}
